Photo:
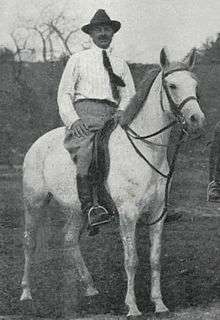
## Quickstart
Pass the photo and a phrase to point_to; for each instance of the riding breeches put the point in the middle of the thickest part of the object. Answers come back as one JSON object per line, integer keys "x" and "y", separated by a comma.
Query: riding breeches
{"x": 95, "y": 114}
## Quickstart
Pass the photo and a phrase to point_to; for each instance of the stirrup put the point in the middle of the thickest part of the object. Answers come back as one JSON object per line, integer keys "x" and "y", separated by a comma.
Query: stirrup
{"x": 99, "y": 214}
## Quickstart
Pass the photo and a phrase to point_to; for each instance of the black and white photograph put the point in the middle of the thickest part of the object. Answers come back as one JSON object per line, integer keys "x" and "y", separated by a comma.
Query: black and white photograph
{"x": 109, "y": 159}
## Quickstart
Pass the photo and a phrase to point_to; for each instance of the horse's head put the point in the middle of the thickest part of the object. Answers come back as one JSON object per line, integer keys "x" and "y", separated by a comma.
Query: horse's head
{"x": 178, "y": 93}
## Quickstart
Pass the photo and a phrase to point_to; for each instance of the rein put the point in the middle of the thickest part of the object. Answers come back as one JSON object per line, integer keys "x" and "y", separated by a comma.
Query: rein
{"x": 176, "y": 110}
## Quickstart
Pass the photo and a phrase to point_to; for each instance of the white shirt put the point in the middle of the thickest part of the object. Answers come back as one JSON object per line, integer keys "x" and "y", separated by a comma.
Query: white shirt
{"x": 85, "y": 77}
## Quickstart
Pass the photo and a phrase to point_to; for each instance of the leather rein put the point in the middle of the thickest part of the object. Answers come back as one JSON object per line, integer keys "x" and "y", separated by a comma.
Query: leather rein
{"x": 179, "y": 118}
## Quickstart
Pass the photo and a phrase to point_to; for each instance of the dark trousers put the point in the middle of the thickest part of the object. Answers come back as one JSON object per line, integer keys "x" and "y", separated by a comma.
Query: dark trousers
{"x": 214, "y": 159}
{"x": 94, "y": 113}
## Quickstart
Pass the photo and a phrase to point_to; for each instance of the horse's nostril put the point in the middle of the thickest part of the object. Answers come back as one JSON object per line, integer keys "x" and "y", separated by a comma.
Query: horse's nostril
{"x": 193, "y": 118}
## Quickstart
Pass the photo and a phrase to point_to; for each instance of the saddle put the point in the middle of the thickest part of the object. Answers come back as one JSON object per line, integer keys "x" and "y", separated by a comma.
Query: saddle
{"x": 99, "y": 168}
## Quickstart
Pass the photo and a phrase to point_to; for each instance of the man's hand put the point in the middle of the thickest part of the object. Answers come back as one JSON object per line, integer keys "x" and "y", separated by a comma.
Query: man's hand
{"x": 79, "y": 128}
{"x": 119, "y": 118}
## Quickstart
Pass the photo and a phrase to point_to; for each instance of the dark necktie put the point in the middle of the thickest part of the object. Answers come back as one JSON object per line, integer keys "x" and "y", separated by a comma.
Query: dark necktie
{"x": 115, "y": 80}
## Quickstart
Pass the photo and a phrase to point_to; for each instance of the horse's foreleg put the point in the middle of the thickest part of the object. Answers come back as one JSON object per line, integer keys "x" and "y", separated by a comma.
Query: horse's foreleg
{"x": 73, "y": 253}
{"x": 155, "y": 251}
{"x": 128, "y": 219}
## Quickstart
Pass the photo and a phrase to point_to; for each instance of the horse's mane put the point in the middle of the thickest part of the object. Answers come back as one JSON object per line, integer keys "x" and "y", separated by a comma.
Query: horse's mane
{"x": 137, "y": 101}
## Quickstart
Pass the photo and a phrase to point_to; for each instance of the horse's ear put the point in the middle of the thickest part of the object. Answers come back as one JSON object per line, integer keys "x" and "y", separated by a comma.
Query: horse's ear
{"x": 190, "y": 59}
{"x": 164, "y": 61}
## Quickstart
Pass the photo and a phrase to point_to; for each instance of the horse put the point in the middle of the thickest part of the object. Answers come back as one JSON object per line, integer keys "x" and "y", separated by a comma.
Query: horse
{"x": 136, "y": 187}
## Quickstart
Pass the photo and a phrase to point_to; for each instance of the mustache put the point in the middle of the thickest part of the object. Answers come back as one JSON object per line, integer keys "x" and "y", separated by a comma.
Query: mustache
{"x": 103, "y": 38}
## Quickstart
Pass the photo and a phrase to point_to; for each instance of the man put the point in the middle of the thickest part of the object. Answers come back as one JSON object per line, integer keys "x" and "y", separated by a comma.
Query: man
{"x": 213, "y": 191}
{"x": 95, "y": 87}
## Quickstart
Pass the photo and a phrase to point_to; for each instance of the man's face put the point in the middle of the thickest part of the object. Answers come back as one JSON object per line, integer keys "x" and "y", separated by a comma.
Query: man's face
{"x": 102, "y": 35}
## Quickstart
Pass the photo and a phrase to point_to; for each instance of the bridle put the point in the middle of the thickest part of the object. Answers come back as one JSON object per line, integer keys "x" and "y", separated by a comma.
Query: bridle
{"x": 179, "y": 118}
{"x": 174, "y": 107}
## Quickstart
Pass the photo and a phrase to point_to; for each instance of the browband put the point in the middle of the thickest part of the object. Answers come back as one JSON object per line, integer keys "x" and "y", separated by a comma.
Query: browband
{"x": 167, "y": 73}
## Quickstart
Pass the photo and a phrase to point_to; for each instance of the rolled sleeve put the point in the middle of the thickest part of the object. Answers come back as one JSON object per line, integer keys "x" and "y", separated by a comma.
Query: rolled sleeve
{"x": 66, "y": 92}
{"x": 127, "y": 92}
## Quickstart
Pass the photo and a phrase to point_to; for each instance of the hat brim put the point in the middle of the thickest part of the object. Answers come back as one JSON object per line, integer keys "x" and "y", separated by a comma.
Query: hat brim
{"x": 116, "y": 25}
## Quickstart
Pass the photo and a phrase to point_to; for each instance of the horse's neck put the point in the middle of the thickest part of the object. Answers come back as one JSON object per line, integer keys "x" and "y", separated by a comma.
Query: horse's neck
{"x": 151, "y": 117}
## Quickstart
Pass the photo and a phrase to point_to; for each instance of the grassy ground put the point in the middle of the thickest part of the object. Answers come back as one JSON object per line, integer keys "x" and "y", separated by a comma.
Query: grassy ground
{"x": 190, "y": 260}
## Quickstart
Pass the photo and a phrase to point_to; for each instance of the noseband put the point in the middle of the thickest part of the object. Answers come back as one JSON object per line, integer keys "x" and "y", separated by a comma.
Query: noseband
{"x": 174, "y": 107}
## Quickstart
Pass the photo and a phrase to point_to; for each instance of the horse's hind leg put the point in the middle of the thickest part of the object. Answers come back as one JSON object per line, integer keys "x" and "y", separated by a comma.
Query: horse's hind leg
{"x": 155, "y": 252}
{"x": 33, "y": 213}
{"x": 84, "y": 274}
{"x": 72, "y": 250}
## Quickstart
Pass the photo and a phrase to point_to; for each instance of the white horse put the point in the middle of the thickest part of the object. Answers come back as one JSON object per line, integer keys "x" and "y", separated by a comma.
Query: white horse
{"x": 133, "y": 184}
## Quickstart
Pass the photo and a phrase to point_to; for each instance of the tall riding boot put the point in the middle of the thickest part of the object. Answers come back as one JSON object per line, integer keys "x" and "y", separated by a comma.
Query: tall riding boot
{"x": 85, "y": 196}
{"x": 84, "y": 193}
{"x": 97, "y": 215}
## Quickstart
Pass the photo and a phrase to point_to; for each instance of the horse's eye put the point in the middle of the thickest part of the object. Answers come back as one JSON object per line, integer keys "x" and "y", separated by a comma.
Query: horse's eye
{"x": 172, "y": 86}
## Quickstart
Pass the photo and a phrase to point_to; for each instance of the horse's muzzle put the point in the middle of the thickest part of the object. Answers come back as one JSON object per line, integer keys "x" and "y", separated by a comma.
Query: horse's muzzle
{"x": 196, "y": 122}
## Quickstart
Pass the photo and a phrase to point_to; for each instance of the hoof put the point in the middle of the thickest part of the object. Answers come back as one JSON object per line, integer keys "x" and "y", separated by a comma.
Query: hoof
{"x": 137, "y": 317}
{"x": 162, "y": 315}
{"x": 26, "y": 295}
{"x": 91, "y": 292}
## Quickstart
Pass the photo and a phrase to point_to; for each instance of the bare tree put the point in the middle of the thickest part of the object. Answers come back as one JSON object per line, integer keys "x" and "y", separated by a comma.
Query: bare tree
{"x": 63, "y": 28}
{"x": 51, "y": 30}
{"x": 20, "y": 40}
{"x": 43, "y": 36}
{"x": 56, "y": 31}
{"x": 35, "y": 31}
{"x": 51, "y": 47}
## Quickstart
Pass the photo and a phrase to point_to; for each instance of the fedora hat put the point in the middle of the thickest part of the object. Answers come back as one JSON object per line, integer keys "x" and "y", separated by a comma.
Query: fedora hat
{"x": 101, "y": 18}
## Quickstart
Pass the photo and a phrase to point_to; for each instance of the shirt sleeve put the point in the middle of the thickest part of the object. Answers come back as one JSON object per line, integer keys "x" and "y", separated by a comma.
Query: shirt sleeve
{"x": 127, "y": 92}
{"x": 66, "y": 92}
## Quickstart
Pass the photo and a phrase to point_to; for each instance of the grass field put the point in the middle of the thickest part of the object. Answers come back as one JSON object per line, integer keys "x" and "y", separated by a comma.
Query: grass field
{"x": 190, "y": 261}
{"x": 190, "y": 256}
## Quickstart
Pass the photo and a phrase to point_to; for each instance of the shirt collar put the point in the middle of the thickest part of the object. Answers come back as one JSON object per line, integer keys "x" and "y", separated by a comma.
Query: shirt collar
{"x": 99, "y": 50}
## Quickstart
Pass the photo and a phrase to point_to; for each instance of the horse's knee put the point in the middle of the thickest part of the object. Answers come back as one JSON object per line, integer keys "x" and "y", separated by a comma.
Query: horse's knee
{"x": 131, "y": 261}
{"x": 29, "y": 241}
{"x": 129, "y": 213}
{"x": 70, "y": 238}
{"x": 155, "y": 260}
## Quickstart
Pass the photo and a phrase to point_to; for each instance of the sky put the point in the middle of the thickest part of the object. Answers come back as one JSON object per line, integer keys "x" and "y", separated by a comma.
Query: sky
{"x": 147, "y": 25}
